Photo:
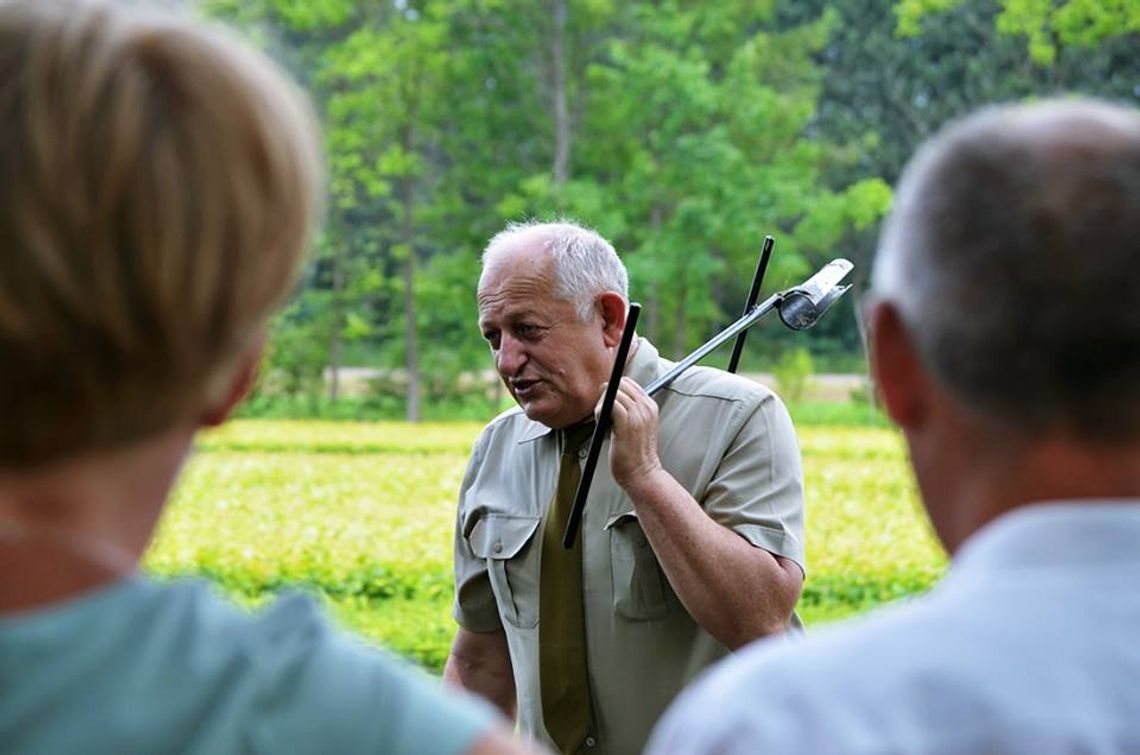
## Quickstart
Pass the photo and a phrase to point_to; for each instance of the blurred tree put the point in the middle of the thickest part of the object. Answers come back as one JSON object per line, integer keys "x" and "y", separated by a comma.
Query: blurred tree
{"x": 884, "y": 93}
{"x": 695, "y": 119}
{"x": 683, "y": 131}
{"x": 1045, "y": 24}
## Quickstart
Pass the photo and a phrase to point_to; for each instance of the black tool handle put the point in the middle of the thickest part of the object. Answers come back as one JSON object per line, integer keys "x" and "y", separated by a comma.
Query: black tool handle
{"x": 601, "y": 428}
{"x": 753, "y": 295}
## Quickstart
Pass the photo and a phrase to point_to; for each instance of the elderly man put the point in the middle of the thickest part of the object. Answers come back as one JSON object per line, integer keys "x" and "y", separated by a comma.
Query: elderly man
{"x": 1006, "y": 346}
{"x": 692, "y": 541}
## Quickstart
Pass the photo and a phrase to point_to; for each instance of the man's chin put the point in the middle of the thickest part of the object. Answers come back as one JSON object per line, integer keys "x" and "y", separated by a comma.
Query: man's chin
{"x": 536, "y": 412}
{"x": 556, "y": 419}
{"x": 542, "y": 412}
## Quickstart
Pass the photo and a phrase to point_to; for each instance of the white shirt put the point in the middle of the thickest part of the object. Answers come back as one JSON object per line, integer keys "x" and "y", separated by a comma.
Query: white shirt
{"x": 1030, "y": 645}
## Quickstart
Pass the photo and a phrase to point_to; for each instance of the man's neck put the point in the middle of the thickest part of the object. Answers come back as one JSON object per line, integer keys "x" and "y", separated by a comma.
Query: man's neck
{"x": 1051, "y": 469}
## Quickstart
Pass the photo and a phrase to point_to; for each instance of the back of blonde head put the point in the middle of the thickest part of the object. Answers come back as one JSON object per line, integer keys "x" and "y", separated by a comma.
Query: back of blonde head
{"x": 158, "y": 185}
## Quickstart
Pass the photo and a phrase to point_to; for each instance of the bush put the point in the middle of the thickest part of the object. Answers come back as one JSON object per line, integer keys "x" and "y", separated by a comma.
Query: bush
{"x": 793, "y": 373}
{"x": 361, "y": 514}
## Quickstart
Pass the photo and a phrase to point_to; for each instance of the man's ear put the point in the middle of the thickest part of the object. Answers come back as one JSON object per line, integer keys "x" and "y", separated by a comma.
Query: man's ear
{"x": 900, "y": 380}
{"x": 614, "y": 308}
{"x": 242, "y": 381}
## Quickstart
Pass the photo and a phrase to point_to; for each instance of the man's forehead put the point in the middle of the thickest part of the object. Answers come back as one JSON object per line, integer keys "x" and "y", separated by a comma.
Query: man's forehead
{"x": 514, "y": 276}
{"x": 526, "y": 256}
{"x": 512, "y": 295}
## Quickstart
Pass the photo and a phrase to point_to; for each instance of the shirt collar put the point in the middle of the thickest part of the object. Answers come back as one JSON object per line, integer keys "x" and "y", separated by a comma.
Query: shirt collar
{"x": 1055, "y": 533}
{"x": 643, "y": 368}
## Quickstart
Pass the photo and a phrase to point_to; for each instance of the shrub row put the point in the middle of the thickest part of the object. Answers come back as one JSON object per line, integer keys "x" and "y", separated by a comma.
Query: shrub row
{"x": 362, "y": 515}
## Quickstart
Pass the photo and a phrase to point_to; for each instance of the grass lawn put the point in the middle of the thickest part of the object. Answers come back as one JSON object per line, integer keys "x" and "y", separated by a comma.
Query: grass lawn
{"x": 362, "y": 513}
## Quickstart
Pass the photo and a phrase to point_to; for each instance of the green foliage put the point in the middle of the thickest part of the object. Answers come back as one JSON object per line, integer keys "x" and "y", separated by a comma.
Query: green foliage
{"x": 694, "y": 130}
{"x": 793, "y": 372}
{"x": 910, "y": 13}
{"x": 1045, "y": 24}
{"x": 295, "y": 356}
{"x": 362, "y": 516}
{"x": 833, "y": 414}
{"x": 857, "y": 412}
{"x": 691, "y": 137}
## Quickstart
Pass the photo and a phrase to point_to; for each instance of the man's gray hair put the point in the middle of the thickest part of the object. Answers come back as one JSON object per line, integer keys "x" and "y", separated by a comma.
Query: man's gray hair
{"x": 585, "y": 264}
{"x": 1013, "y": 256}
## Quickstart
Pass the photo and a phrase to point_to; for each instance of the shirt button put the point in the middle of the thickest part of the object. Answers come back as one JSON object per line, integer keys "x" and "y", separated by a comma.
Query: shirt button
{"x": 497, "y": 547}
{"x": 590, "y": 741}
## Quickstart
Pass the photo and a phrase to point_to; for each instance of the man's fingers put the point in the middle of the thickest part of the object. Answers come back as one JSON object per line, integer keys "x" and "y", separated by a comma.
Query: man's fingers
{"x": 634, "y": 403}
{"x": 632, "y": 387}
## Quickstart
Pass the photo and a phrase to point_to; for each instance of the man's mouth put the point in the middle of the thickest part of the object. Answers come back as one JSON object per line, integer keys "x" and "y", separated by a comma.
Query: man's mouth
{"x": 521, "y": 388}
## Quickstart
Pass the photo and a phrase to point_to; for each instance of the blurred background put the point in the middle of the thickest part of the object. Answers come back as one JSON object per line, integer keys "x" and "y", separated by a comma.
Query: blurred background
{"x": 683, "y": 131}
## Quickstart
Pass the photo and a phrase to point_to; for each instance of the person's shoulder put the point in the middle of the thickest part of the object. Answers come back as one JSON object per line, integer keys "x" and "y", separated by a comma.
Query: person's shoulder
{"x": 792, "y": 694}
{"x": 194, "y": 612}
{"x": 507, "y": 420}
{"x": 192, "y": 604}
{"x": 320, "y": 689}
{"x": 710, "y": 382}
{"x": 733, "y": 399}
{"x": 217, "y": 648}
{"x": 509, "y": 424}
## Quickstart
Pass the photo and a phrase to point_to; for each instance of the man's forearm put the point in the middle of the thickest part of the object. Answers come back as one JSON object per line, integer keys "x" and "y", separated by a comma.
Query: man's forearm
{"x": 487, "y": 674}
{"x": 734, "y": 590}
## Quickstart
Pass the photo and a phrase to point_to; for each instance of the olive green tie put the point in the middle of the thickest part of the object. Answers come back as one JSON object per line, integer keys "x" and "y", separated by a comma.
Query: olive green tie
{"x": 564, "y": 685}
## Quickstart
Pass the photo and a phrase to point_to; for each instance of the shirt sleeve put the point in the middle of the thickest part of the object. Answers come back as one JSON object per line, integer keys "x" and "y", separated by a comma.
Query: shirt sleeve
{"x": 758, "y": 489}
{"x": 322, "y": 691}
{"x": 475, "y": 608}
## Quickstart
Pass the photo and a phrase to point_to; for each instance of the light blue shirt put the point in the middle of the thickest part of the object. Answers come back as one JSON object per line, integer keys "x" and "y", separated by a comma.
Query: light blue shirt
{"x": 1030, "y": 645}
{"x": 145, "y": 667}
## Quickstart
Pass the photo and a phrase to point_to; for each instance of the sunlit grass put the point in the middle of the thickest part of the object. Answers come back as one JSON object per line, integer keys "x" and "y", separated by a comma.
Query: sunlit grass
{"x": 363, "y": 513}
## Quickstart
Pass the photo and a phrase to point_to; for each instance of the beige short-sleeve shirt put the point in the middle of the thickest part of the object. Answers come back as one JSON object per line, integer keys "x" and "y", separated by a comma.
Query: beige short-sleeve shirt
{"x": 727, "y": 440}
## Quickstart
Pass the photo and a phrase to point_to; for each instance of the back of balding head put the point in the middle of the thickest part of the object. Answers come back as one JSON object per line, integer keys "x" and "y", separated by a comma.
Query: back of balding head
{"x": 1013, "y": 253}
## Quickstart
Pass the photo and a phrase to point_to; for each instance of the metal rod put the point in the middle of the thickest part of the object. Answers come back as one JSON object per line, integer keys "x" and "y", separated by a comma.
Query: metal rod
{"x": 753, "y": 295}
{"x": 601, "y": 428}
{"x": 743, "y": 323}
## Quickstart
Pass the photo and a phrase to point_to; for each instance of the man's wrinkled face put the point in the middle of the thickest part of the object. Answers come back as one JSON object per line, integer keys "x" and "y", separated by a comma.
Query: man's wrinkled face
{"x": 552, "y": 362}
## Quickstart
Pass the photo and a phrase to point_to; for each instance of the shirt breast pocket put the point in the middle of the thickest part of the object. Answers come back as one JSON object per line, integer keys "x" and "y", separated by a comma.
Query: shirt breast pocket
{"x": 641, "y": 592}
{"x": 506, "y": 542}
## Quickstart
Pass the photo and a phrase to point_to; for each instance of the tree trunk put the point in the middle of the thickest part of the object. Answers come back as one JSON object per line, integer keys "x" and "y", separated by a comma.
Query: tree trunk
{"x": 558, "y": 76}
{"x": 336, "y": 331}
{"x": 411, "y": 342}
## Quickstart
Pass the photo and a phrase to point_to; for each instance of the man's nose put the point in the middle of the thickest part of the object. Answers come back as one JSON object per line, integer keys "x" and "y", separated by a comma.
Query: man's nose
{"x": 511, "y": 356}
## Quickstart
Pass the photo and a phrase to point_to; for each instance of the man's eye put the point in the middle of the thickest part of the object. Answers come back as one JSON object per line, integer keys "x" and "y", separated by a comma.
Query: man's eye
{"x": 526, "y": 330}
{"x": 492, "y": 337}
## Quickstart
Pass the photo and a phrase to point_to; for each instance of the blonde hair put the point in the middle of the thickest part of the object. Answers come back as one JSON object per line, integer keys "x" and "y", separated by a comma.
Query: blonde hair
{"x": 159, "y": 183}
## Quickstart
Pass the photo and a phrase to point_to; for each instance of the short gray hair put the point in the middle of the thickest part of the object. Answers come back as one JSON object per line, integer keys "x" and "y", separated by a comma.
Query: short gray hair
{"x": 1013, "y": 255}
{"x": 585, "y": 264}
